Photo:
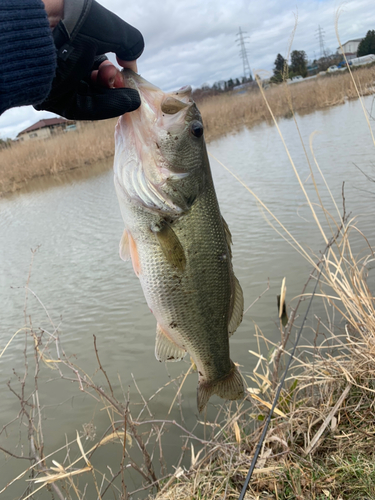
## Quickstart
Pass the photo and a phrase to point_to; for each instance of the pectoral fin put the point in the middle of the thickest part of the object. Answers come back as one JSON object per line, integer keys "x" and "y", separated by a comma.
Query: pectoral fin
{"x": 170, "y": 245}
{"x": 165, "y": 348}
{"x": 237, "y": 310}
{"x": 134, "y": 255}
{"x": 124, "y": 249}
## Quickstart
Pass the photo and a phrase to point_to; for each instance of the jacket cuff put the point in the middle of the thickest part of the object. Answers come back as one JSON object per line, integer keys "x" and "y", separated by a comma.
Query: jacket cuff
{"x": 27, "y": 56}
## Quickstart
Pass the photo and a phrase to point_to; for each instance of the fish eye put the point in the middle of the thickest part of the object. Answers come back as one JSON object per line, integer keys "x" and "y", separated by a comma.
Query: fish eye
{"x": 196, "y": 129}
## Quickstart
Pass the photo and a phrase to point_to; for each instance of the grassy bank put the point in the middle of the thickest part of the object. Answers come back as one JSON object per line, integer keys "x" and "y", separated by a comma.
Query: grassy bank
{"x": 222, "y": 114}
{"x": 24, "y": 161}
{"x": 230, "y": 112}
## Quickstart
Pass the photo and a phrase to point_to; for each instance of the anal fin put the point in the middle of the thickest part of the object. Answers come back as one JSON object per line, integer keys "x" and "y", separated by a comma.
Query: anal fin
{"x": 165, "y": 348}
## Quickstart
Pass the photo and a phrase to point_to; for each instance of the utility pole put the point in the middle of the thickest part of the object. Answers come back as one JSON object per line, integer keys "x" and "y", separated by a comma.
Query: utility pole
{"x": 244, "y": 52}
{"x": 320, "y": 34}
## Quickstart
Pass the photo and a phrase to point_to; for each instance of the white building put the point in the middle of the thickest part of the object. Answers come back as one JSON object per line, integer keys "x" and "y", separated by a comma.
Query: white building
{"x": 350, "y": 48}
{"x": 46, "y": 128}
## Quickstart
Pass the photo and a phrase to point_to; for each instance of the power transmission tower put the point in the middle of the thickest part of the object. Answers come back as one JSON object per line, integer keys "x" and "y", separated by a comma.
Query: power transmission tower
{"x": 241, "y": 42}
{"x": 320, "y": 34}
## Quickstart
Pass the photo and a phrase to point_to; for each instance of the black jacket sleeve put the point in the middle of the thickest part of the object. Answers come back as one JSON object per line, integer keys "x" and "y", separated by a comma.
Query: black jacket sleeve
{"x": 27, "y": 53}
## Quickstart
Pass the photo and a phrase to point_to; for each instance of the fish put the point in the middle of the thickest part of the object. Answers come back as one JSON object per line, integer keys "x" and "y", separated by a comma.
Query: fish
{"x": 175, "y": 236}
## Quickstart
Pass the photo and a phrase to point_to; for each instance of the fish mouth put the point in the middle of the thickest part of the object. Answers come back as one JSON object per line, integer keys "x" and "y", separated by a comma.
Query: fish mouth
{"x": 167, "y": 103}
{"x": 141, "y": 168}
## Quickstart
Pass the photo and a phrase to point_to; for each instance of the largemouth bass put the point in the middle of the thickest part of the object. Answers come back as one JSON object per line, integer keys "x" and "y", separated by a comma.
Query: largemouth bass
{"x": 175, "y": 236}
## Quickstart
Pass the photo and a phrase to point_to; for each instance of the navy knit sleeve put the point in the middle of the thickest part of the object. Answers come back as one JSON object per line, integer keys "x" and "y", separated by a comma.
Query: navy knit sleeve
{"x": 27, "y": 53}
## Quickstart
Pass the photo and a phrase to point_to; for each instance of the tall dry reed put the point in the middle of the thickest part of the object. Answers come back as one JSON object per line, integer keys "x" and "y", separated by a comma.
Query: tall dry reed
{"x": 222, "y": 114}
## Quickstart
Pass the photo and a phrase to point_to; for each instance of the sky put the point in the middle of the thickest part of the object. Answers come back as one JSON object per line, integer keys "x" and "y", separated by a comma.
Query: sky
{"x": 192, "y": 42}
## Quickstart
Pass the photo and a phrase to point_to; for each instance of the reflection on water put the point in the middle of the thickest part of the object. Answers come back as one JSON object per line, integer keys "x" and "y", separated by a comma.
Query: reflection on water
{"x": 79, "y": 277}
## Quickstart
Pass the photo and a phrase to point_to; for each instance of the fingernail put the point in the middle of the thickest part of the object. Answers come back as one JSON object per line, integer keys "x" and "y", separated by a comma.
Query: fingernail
{"x": 111, "y": 82}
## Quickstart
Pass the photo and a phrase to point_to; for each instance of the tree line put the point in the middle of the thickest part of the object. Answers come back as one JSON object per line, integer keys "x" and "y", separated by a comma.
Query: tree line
{"x": 297, "y": 66}
{"x": 367, "y": 44}
{"x": 221, "y": 86}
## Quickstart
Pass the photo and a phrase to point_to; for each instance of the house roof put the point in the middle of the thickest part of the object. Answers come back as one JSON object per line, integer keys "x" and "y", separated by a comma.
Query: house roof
{"x": 48, "y": 122}
{"x": 351, "y": 40}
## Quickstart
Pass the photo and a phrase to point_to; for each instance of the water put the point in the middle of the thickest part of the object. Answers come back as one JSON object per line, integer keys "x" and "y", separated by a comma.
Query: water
{"x": 79, "y": 278}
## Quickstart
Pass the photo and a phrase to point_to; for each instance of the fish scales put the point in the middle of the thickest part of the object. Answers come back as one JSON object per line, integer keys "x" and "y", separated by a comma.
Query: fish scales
{"x": 174, "y": 295}
{"x": 178, "y": 242}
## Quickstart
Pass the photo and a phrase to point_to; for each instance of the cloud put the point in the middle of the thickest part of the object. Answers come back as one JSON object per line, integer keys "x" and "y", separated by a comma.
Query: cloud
{"x": 194, "y": 41}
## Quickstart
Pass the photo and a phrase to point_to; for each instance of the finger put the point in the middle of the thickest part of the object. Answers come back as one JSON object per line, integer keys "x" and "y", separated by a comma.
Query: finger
{"x": 94, "y": 76}
{"x": 95, "y": 72}
{"x": 128, "y": 64}
{"x": 109, "y": 76}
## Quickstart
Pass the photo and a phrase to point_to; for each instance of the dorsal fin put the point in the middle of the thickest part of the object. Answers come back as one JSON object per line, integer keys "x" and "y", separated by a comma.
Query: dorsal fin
{"x": 228, "y": 236}
{"x": 237, "y": 308}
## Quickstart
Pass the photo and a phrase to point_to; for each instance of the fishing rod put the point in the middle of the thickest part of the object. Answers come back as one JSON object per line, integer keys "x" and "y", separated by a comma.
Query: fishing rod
{"x": 276, "y": 398}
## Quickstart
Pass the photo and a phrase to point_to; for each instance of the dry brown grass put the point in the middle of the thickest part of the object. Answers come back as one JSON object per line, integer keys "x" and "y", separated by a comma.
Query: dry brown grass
{"x": 24, "y": 161}
{"x": 222, "y": 114}
{"x": 230, "y": 112}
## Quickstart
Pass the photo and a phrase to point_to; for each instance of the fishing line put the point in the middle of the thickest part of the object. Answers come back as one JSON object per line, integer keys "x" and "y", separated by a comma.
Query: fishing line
{"x": 277, "y": 395}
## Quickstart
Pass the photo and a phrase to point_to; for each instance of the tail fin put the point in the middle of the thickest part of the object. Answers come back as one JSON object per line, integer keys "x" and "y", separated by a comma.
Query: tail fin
{"x": 229, "y": 387}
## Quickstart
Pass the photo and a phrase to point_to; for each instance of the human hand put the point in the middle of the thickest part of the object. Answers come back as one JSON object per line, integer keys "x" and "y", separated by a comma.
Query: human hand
{"x": 87, "y": 86}
{"x": 109, "y": 76}
{"x": 55, "y": 11}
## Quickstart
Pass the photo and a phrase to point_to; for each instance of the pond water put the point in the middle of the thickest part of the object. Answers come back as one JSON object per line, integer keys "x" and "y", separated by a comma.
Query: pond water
{"x": 87, "y": 290}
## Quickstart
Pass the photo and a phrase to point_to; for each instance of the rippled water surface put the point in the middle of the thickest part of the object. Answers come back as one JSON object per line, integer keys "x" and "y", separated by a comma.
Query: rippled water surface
{"x": 87, "y": 290}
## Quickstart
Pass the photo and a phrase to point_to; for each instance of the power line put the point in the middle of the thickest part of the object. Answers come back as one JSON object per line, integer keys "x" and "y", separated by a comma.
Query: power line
{"x": 320, "y": 34}
{"x": 241, "y": 42}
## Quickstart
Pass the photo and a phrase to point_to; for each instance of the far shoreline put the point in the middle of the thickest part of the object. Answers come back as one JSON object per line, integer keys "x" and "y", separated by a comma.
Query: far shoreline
{"x": 222, "y": 114}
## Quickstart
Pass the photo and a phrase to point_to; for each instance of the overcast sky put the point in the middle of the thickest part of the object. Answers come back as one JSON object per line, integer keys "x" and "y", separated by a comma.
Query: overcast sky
{"x": 190, "y": 42}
